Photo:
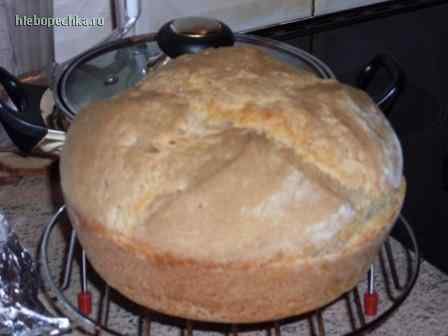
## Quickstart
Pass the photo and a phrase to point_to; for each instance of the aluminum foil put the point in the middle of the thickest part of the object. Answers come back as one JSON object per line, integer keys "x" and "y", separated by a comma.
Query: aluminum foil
{"x": 21, "y": 312}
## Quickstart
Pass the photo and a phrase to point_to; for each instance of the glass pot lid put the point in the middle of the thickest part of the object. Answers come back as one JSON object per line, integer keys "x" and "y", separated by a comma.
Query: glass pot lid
{"x": 105, "y": 71}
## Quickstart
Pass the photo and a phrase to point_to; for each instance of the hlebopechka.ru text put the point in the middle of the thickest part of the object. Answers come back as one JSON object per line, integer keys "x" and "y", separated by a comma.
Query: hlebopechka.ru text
{"x": 64, "y": 21}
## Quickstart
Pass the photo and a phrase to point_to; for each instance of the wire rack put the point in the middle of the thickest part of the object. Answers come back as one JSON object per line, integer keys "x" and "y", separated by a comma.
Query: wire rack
{"x": 67, "y": 274}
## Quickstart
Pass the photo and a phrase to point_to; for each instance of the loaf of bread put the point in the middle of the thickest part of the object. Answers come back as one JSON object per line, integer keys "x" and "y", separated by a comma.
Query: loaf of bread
{"x": 228, "y": 186}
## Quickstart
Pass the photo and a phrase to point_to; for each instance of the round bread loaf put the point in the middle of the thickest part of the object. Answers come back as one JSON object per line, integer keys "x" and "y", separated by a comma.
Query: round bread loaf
{"x": 228, "y": 186}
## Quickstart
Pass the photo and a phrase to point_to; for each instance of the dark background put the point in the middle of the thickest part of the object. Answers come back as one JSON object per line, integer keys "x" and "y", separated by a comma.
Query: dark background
{"x": 417, "y": 37}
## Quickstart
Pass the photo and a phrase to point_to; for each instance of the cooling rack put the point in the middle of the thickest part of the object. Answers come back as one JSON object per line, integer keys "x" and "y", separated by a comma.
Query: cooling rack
{"x": 78, "y": 292}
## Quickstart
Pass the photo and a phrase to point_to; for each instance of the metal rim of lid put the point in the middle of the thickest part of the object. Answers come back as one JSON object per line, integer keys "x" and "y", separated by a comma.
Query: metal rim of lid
{"x": 67, "y": 108}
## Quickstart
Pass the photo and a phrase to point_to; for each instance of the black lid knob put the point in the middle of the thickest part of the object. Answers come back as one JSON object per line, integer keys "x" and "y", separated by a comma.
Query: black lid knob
{"x": 190, "y": 35}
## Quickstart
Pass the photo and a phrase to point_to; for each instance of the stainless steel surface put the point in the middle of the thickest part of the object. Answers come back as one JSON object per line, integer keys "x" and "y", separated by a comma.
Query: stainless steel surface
{"x": 126, "y": 13}
{"x": 83, "y": 272}
{"x": 370, "y": 280}
{"x": 69, "y": 261}
{"x": 318, "y": 321}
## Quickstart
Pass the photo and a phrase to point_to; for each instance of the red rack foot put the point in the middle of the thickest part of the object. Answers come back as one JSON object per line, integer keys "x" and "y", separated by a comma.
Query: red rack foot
{"x": 371, "y": 303}
{"x": 85, "y": 303}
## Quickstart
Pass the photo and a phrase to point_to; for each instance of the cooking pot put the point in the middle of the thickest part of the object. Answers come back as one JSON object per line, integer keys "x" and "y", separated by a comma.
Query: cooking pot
{"x": 112, "y": 67}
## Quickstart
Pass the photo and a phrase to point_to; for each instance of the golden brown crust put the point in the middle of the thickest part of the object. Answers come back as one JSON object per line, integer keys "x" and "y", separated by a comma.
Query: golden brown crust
{"x": 233, "y": 175}
{"x": 240, "y": 292}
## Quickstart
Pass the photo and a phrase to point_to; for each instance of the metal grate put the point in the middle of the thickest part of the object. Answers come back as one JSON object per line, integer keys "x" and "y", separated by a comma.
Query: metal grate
{"x": 392, "y": 277}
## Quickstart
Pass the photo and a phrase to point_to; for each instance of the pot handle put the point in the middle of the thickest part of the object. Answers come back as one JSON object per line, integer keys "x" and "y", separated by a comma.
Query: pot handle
{"x": 190, "y": 35}
{"x": 24, "y": 124}
{"x": 387, "y": 98}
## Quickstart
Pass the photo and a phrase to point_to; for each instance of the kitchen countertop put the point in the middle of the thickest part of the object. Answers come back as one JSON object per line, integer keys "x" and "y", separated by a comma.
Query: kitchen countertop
{"x": 30, "y": 203}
